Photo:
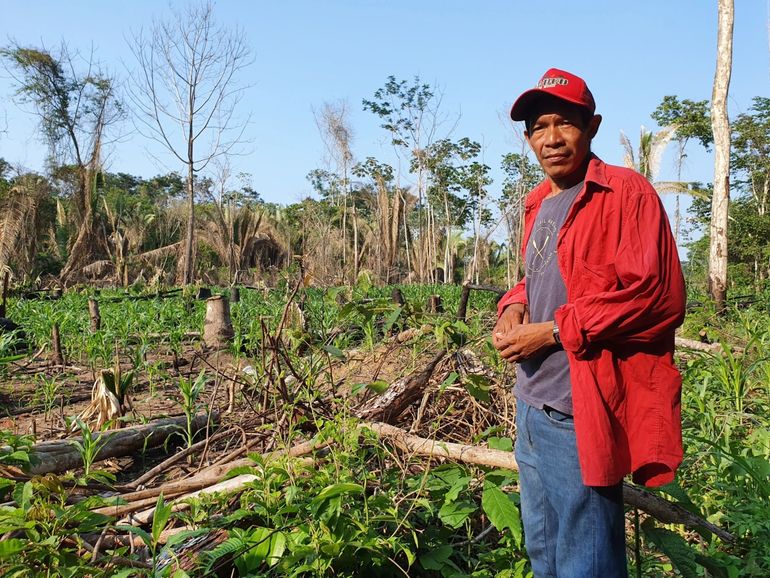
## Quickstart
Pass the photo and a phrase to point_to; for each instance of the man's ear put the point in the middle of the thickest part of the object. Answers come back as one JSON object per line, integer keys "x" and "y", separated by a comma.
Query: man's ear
{"x": 593, "y": 125}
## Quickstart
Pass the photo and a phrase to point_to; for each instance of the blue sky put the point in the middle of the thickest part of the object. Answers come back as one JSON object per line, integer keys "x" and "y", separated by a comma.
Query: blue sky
{"x": 479, "y": 54}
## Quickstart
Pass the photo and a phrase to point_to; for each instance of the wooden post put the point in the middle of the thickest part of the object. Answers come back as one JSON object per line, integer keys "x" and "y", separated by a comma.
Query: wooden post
{"x": 434, "y": 304}
{"x": 93, "y": 313}
{"x": 218, "y": 328}
{"x": 3, "y": 303}
{"x": 462, "y": 308}
{"x": 235, "y": 294}
{"x": 397, "y": 296}
{"x": 58, "y": 357}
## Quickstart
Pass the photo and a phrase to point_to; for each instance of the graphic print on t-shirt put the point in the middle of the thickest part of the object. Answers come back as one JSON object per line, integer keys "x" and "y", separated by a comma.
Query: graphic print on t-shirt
{"x": 542, "y": 245}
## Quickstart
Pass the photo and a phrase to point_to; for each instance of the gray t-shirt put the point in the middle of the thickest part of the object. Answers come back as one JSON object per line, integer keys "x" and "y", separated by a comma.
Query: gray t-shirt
{"x": 544, "y": 380}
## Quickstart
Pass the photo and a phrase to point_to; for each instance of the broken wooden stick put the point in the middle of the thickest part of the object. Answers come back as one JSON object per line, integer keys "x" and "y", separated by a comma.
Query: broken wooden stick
{"x": 204, "y": 479}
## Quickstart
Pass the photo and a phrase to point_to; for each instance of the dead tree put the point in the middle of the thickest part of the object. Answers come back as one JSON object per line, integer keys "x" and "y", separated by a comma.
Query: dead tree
{"x": 185, "y": 92}
{"x": 75, "y": 110}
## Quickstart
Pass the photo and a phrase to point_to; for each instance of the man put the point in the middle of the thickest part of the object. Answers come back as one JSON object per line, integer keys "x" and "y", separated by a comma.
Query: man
{"x": 592, "y": 328}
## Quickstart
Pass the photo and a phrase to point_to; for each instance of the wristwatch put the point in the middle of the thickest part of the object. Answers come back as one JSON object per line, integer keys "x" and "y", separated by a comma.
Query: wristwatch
{"x": 556, "y": 336}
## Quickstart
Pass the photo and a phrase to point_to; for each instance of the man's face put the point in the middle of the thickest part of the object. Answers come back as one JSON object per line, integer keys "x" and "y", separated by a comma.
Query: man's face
{"x": 560, "y": 137}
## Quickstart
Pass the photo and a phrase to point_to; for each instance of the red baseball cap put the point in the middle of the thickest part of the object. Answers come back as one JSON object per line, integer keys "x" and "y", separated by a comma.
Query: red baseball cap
{"x": 557, "y": 83}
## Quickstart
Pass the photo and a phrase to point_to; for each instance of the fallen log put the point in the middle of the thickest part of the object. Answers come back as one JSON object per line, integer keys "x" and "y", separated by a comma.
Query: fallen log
{"x": 697, "y": 345}
{"x": 400, "y": 395}
{"x": 61, "y": 455}
{"x": 656, "y": 506}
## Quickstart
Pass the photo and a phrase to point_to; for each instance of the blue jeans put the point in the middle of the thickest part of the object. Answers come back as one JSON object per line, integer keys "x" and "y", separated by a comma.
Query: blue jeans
{"x": 570, "y": 530}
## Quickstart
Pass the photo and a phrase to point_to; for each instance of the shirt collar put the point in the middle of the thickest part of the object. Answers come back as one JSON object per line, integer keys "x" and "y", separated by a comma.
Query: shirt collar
{"x": 595, "y": 173}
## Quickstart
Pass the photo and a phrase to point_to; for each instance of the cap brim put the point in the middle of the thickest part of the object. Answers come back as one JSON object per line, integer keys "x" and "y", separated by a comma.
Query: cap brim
{"x": 520, "y": 109}
{"x": 524, "y": 102}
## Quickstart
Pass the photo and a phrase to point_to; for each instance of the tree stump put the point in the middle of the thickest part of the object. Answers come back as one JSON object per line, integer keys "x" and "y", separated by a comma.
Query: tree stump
{"x": 58, "y": 356}
{"x": 434, "y": 304}
{"x": 218, "y": 328}
{"x": 93, "y": 313}
{"x": 235, "y": 294}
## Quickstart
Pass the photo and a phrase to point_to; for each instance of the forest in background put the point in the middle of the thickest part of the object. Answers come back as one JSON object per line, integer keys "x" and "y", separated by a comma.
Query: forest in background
{"x": 434, "y": 215}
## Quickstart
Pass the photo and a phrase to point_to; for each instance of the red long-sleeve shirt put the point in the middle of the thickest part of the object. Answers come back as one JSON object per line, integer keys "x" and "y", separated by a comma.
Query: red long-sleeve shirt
{"x": 625, "y": 298}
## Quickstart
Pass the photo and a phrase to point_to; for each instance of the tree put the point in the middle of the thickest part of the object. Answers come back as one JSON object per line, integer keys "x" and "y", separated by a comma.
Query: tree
{"x": 389, "y": 205}
{"x": 409, "y": 112}
{"x": 185, "y": 93}
{"x": 334, "y": 126}
{"x": 720, "y": 124}
{"x": 750, "y": 159}
{"x": 447, "y": 166}
{"x": 74, "y": 109}
{"x": 649, "y": 155}
{"x": 690, "y": 120}
{"x": 521, "y": 175}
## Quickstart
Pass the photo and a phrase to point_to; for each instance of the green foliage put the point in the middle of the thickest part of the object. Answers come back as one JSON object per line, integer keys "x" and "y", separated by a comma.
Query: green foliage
{"x": 691, "y": 118}
{"x": 191, "y": 390}
{"x": 88, "y": 446}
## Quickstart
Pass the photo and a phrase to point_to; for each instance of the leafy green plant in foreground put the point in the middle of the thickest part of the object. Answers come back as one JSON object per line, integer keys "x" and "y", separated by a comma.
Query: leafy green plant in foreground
{"x": 354, "y": 512}
{"x": 190, "y": 391}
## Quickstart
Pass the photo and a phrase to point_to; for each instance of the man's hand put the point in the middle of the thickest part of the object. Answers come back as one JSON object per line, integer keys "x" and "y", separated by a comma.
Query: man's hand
{"x": 513, "y": 315}
{"x": 516, "y": 338}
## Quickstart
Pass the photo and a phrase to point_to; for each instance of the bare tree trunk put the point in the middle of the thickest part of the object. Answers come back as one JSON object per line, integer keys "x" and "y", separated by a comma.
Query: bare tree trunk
{"x": 187, "y": 271}
{"x": 3, "y": 303}
{"x": 93, "y": 313}
{"x": 58, "y": 356}
{"x": 720, "y": 124}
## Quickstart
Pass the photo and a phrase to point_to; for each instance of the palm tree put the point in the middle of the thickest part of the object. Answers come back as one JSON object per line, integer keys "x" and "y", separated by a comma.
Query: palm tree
{"x": 647, "y": 161}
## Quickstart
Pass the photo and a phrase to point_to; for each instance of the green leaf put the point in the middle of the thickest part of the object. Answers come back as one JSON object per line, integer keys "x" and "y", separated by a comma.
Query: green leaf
{"x": 160, "y": 518}
{"x": 22, "y": 495}
{"x": 501, "y": 511}
{"x": 391, "y": 319}
{"x": 143, "y": 535}
{"x": 436, "y": 558}
{"x": 270, "y": 545}
{"x": 454, "y": 490}
{"x": 478, "y": 386}
{"x": 334, "y": 352}
{"x": 11, "y": 547}
{"x": 681, "y": 554}
{"x": 449, "y": 380}
{"x": 454, "y": 514}
{"x": 503, "y": 444}
{"x": 337, "y": 490}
